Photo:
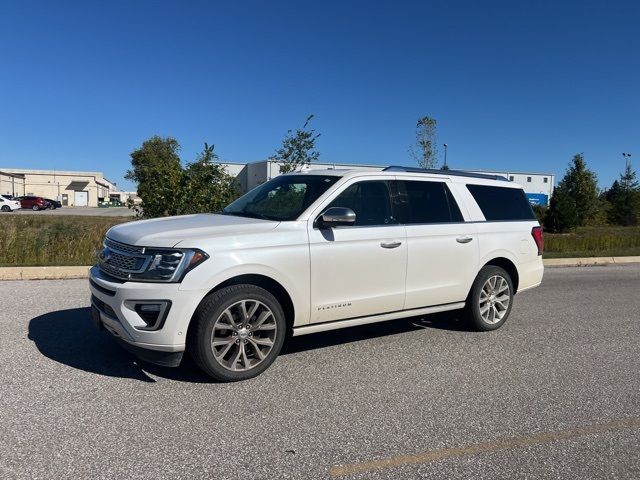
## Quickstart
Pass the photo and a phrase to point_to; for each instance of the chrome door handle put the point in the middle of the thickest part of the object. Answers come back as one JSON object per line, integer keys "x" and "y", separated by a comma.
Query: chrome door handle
{"x": 390, "y": 244}
{"x": 464, "y": 239}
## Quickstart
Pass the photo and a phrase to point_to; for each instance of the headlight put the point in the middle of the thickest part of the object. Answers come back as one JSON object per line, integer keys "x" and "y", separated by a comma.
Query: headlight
{"x": 166, "y": 265}
{"x": 130, "y": 262}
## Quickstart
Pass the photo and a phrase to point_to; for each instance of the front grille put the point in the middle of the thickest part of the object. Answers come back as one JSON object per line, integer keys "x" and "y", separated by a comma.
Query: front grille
{"x": 124, "y": 262}
{"x": 120, "y": 260}
{"x": 123, "y": 247}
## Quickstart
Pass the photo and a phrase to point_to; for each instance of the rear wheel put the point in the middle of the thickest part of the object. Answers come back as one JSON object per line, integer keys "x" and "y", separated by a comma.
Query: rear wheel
{"x": 35, "y": 208}
{"x": 238, "y": 332}
{"x": 490, "y": 299}
{"x": 5, "y": 208}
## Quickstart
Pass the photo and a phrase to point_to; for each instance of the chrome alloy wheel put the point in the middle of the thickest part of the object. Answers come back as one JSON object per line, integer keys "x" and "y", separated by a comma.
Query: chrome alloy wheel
{"x": 494, "y": 299}
{"x": 243, "y": 335}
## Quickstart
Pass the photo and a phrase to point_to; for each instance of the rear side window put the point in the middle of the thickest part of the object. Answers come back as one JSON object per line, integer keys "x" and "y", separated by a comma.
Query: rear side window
{"x": 500, "y": 203}
{"x": 426, "y": 202}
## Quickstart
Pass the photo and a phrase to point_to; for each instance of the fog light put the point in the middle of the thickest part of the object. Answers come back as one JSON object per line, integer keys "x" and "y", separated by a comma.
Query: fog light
{"x": 153, "y": 313}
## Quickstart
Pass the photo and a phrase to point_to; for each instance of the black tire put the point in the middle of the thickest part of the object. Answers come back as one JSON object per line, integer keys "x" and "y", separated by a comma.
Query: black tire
{"x": 6, "y": 208}
{"x": 35, "y": 208}
{"x": 211, "y": 309}
{"x": 474, "y": 316}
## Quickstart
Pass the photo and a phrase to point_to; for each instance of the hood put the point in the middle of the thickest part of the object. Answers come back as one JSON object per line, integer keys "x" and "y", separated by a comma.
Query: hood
{"x": 169, "y": 231}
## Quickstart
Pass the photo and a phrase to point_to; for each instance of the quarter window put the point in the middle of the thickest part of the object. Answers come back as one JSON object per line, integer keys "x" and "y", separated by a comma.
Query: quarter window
{"x": 426, "y": 202}
{"x": 501, "y": 203}
{"x": 370, "y": 201}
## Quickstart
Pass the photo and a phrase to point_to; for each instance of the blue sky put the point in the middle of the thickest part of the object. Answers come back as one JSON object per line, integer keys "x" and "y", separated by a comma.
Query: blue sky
{"x": 514, "y": 85}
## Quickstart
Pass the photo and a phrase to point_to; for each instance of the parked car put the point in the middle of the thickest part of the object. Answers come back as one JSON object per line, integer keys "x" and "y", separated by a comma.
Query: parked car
{"x": 34, "y": 203}
{"x": 54, "y": 203}
{"x": 8, "y": 205}
{"x": 314, "y": 251}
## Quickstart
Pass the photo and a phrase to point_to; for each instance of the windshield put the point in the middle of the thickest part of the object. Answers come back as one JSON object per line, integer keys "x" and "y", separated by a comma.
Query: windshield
{"x": 283, "y": 199}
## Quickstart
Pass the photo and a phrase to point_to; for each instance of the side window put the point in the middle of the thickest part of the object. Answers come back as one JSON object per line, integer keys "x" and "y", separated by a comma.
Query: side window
{"x": 501, "y": 203}
{"x": 370, "y": 201}
{"x": 426, "y": 202}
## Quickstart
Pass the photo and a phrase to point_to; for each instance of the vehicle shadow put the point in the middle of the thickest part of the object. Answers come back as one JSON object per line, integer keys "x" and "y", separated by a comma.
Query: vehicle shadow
{"x": 444, "y": 321}
{"x": 69, "y": 337}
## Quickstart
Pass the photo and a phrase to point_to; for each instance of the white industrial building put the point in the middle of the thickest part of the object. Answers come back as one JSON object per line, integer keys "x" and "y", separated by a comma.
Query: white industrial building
{"x": 537, "y": 186}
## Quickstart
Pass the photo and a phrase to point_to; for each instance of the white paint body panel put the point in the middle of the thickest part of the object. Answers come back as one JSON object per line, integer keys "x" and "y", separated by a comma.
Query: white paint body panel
{"x": 330, "y": 275}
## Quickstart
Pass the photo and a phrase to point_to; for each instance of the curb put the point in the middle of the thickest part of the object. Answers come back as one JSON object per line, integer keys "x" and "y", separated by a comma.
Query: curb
{"x": 588, "y": 261}
{"x": 43, "y": 273}
{"x": 66, "y": 273}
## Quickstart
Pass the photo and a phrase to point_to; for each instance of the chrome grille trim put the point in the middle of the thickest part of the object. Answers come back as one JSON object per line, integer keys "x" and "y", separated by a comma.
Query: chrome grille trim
{"x": 123, "y": 247}
{"x": 120, "y": 260}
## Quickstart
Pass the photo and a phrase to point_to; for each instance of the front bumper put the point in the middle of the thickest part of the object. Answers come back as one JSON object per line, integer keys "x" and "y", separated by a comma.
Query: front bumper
{"x": 111, "y": 309}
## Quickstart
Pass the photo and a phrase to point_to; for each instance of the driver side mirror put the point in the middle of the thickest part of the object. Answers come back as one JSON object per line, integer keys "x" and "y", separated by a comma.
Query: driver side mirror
{"x": 336, "y": 217}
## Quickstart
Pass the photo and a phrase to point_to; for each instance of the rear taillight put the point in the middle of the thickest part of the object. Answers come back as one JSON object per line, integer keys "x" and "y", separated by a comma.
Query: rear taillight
{"x": 536, "y": 233}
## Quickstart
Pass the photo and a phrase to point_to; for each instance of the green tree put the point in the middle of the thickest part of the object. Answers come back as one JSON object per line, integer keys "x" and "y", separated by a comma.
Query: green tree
{"x": 206, "y": 186}
{"x": 425, "y": 151}
{"x": 156, "y": 169}
{"x": 297, "y": 148}
{"x": 540, "y": 212}
{"x": 575, "y": 200}
{"x": 624, "y": 198}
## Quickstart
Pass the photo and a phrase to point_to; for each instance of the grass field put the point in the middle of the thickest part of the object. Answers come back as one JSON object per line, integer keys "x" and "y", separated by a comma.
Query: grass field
{"x": 27, "y": 240}
{"x": 593, "y": 242}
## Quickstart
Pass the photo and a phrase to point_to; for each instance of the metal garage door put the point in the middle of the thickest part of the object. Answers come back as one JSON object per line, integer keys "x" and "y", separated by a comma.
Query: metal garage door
{"x": 81, "y": 199}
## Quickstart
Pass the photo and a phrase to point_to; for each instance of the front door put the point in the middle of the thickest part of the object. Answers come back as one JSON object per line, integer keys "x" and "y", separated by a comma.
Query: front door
{"x": 358, "y": 270}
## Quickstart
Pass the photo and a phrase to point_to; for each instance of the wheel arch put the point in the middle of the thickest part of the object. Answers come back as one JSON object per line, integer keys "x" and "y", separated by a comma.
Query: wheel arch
{"x": 509, "y": 267}
{"x": 272, "y": 286}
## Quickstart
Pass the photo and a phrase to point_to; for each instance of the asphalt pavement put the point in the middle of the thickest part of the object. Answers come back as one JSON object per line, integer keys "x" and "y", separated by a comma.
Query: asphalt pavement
{"x": 79, "y": 211}
{"x": 555, "y": 393}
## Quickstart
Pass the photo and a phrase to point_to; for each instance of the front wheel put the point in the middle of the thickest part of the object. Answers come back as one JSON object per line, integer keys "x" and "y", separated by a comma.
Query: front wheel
{"x": 238, "y": 332}
{"x": 490, "y": 299}
{"x": 35, "y": 208}
{"x": 5, "y": 208}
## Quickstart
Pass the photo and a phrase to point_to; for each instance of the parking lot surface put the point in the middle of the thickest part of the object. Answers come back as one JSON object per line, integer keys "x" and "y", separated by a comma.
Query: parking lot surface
{"x": 555, "y": 393}
{"x": 81, "y": 211}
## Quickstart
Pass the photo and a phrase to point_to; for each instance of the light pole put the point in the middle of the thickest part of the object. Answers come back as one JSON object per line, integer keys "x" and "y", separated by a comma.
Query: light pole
{"x": 627, "y": 159}
{"x": 445, "y": 156}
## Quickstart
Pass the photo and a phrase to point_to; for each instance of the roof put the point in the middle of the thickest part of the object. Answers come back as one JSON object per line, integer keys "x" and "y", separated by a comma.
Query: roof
{"x": 509, "y": 172}
{"x": 22, "y": 171}
{"x": 453, "y": 175}
{"x": 10, "y": 174}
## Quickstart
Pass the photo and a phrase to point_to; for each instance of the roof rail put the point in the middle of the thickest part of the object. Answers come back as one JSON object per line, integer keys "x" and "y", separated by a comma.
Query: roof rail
{"x": 457, "y": 173}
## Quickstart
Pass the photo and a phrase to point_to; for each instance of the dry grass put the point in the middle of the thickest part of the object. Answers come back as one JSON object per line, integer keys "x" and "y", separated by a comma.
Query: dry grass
{"x": 27, "y": 240}
{"x": 605, "y": 241}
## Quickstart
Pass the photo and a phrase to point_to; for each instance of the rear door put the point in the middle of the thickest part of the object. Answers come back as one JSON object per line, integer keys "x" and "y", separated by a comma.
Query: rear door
{"x": 443, "y": 249}
{"x": 358, "y": 270}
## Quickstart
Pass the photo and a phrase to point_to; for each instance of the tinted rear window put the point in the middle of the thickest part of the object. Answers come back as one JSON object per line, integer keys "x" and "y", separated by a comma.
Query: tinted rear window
{"x": 426, "y": 202}
{"x": 499, "y": 203}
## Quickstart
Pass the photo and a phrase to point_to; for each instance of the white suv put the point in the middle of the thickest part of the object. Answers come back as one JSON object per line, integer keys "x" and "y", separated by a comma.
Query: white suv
{"x": 315, "y": 251}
